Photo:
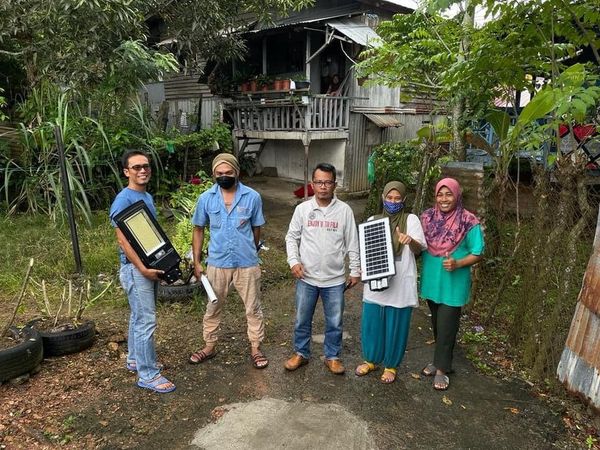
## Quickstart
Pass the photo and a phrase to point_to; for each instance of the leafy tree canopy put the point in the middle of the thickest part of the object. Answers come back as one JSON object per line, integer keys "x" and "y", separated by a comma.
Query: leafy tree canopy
{"x": 537, "y": 37}
{"x": 207, "y": 29}
{"x": 74, "y": 43}
{"x": 89, "y": 43}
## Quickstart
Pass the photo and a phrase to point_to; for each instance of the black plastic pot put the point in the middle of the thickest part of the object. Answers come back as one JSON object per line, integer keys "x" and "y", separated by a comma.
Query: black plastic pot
{"x": 22, "y": 358}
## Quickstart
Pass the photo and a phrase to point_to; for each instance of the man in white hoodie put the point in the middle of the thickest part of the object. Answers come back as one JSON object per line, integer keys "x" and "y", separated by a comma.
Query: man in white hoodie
{"x": 321, "y": 233}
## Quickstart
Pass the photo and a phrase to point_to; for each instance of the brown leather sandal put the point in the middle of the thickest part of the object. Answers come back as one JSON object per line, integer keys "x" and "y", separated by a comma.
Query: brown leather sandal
{"x": 201, "y": 356}
{"x": 259, "y": 361}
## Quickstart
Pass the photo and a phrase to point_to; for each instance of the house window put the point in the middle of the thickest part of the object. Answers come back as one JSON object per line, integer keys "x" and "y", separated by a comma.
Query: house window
{"x": 285, "y": 53}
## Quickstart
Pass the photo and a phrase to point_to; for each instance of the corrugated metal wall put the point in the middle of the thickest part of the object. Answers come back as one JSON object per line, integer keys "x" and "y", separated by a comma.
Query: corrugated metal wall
{"x": 182, "y": 112}
{"x": 182, "y": 86}
{"x": 411, "y": 123}
{"x": 357, "y": 155}
{"x": 182, "y": 94}
{"x": 579, "y": 367}
{"x": 363, "y": 138}
{"x": 374, "y": 96}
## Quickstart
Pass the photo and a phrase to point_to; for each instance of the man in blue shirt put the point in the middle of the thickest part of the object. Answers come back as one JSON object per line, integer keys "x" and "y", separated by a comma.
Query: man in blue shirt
{"x": 138, "y": 281}
{"x": 234, "y": 215}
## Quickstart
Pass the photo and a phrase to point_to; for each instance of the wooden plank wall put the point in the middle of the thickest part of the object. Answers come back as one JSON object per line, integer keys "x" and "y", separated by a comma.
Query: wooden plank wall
{"x": 579, "y": 366}
{"x": 10, "y": 136}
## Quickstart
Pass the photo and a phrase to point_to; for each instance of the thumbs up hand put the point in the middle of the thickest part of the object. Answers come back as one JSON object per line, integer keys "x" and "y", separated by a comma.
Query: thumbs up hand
{"x": 449, "y": 263}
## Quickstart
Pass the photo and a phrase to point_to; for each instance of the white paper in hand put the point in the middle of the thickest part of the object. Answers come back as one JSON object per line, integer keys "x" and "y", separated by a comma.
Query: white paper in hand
{"x": 212, "y": 297}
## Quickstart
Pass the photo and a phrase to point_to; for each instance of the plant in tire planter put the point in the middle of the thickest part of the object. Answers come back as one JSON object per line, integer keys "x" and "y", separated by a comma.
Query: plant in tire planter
{"x": 20, "y": 354}
{"x": 20, "y": 350}
{"x": 183, "y": 204}
{"x": 69, "y": 333}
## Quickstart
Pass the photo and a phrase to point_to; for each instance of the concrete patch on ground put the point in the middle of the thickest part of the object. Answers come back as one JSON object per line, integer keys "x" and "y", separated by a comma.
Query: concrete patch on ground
{"x": 271, "y": 423}
{"x": 320, "y": 338}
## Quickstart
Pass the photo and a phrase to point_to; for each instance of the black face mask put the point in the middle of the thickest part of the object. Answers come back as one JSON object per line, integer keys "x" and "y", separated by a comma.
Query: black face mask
{"x": 226, "y": 182}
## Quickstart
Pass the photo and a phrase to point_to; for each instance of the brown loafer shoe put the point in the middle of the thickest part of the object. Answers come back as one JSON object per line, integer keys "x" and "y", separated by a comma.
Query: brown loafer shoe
{"x": 335, "y": 366}
{"x": 295, "y": 361}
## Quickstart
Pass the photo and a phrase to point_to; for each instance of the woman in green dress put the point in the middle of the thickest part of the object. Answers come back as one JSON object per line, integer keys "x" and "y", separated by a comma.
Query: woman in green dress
{"x": 454, "y": 243}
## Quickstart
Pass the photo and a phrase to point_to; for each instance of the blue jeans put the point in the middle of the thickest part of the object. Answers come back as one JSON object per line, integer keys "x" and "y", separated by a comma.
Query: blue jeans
{"x": 141, "y": 293}
{"x": 333, "y": 307}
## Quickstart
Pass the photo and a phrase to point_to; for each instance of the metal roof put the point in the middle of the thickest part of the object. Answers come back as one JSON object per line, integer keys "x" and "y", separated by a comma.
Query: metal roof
{"x": 411, "y": 4}
{"x": 318, "y": 13}
{"x": 385, "y": 120}
{"x": 359, "y": 32}
{"x": 310, "y": 15}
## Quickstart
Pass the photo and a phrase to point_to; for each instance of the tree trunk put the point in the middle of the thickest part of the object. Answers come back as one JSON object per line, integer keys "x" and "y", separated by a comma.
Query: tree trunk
{"x": 458, "y": 108}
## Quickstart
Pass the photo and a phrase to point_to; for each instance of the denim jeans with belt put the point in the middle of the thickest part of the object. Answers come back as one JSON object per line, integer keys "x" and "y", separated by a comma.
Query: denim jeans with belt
{"x": 333, "y": 307}
{"x": 141, "y": 293}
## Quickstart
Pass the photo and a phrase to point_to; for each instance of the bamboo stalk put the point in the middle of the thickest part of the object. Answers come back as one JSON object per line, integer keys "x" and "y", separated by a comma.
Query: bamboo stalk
{"x": 62, "y": 301}
{"x": 46, "y": 302}
{"x": 79, "y": 304}
{"x": 70, "y": 297}
{"x": 20, "y": 298}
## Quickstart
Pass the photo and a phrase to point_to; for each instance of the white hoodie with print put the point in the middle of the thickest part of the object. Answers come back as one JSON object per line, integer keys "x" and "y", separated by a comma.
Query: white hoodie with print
{"x": 320, "y": 238}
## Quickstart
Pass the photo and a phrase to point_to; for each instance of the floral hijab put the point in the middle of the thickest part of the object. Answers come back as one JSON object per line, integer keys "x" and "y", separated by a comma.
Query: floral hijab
{"x": 445, "y": 231}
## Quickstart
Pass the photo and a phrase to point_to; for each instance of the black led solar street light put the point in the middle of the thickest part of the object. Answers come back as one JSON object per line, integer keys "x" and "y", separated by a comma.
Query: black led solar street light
{"x": 149, "y": 240}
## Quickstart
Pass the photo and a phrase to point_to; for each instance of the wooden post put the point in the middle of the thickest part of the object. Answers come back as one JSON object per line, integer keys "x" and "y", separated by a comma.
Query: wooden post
{"x": 306, "y": 143}
{"x": 60, "y": 147}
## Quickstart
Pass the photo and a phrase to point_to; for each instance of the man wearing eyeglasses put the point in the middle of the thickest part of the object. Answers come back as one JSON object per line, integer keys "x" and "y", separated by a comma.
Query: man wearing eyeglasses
{"x": 321, "y": 233}
{"x": 139, "y": 282}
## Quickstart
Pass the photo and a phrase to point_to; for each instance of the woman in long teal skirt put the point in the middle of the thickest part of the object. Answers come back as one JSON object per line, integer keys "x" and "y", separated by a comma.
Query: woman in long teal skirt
{"x": 386, "y": 314}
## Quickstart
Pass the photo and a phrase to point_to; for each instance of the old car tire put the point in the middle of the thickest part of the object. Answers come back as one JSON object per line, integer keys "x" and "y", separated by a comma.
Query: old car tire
{"x": 69, "y": 341}
{"x": 22, "y": 358}
{"x": 177, "y": 292}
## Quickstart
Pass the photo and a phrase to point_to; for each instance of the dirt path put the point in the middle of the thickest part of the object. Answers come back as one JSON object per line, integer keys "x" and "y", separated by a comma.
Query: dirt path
{"x": 89, "y": 400}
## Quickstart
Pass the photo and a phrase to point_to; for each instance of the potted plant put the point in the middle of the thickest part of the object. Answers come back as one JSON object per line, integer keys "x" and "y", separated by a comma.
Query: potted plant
{"x": 264, "y": 82}
{"x": 241, "y": 78}
{"x": 253, "y": 84}
{"x": 282, "y": 84}
{"x": 300, "y": 80}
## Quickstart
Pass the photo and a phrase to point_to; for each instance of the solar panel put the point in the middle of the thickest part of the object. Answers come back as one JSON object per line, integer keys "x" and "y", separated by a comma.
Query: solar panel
{"x": 376, "y": 253}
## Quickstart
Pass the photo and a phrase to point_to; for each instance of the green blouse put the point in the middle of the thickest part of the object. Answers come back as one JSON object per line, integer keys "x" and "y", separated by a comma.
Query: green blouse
{"x": 451, "y": 288}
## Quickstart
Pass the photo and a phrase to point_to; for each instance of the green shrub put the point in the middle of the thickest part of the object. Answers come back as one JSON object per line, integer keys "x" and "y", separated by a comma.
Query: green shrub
{"x": 393, "y": 161}
{"x": 183, "y": 155}
{"x": 183, "y": 203}
{"x": 95, "y": 136}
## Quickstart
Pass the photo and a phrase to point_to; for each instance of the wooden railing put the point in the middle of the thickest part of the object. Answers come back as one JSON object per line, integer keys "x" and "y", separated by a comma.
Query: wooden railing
{"x": 294, "y": 113}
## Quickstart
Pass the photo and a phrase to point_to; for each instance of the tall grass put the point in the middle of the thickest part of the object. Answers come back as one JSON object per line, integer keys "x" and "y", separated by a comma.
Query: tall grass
{"x": 34, "y": 236}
